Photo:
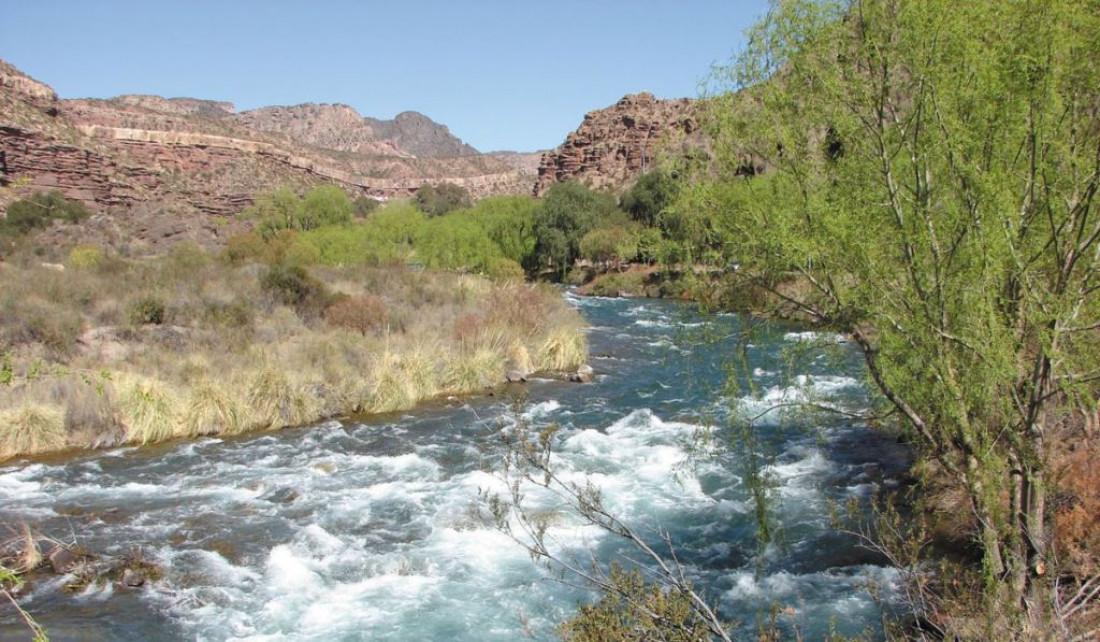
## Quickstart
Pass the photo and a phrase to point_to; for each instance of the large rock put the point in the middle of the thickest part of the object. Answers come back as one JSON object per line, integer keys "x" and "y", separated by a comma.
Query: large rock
{"x": 614, "y": 145}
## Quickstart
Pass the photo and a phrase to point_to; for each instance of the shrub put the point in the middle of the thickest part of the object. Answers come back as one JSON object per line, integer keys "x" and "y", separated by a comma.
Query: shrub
{"x": 146, "y": 310}
{"x": 506, "y": 270}
{"x": 85, "y": 257}
{"x": 437, "y": 200}
{"x": 291, "y": 285}
{"x": 148, "y": 412}
{"x": 362, "y": 314}
{"x": 235, "y": 314}
{"x": 41, "y": 209}
{"x": 31, "y": 429}
{"x": 363, "y": 206}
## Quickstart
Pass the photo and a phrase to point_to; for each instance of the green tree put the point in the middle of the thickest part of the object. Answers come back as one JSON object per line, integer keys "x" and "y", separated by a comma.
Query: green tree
{"x": 437, "y": 200}
{"x": 569, "y": 211}
{"x": 932, "y": 188}
{"x": 648, "y": 198}
{"x": 321, "y": 206}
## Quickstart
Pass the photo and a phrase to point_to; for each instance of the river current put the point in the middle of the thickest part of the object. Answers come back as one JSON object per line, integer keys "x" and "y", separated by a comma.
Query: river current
{"x": 367, "y": 529}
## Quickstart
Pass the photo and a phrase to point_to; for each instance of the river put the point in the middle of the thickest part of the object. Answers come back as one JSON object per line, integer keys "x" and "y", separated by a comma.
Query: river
{"x": 366, "y": 529}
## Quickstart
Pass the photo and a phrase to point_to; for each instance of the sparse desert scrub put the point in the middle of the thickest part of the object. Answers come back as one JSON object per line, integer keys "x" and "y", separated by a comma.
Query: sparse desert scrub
{"x": 114, "y": 350}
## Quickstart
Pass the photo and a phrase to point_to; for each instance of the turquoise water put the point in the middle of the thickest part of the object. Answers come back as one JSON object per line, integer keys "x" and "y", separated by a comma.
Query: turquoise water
{"x": 366, "y": 530}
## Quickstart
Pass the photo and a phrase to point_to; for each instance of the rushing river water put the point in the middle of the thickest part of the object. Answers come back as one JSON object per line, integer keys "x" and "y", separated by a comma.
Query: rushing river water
{"x": 364, "y": 530}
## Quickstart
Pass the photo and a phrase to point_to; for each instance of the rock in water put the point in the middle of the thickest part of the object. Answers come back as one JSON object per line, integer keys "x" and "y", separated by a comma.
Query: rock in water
{"x": 584, "y": 374}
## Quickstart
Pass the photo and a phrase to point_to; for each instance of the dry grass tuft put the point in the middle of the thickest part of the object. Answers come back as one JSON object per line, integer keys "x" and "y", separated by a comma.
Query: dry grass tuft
{"x": 212, "y": 411}
{"x": 276, "y": 402}
{"x": 149, "y": 412}
{"x": 563, "y": 349}
{"x": 31, "y": 429}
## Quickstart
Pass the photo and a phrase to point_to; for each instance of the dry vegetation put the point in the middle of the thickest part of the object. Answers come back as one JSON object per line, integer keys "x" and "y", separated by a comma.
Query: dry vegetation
{"x": 110, "y": 351}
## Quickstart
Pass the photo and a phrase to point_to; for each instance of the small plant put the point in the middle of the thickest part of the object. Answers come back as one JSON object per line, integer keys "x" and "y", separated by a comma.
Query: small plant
{"x": 146, "y": 310}
{"x": 85, "y": 257}
{"x": 363, "y": 314}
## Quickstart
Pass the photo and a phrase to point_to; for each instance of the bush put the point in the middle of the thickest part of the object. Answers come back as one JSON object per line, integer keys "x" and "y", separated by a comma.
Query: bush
{"x": 437, "y": 200}
{"x": 146, "y": 310}
{"x": 292, "y": 286}
{"x": 506, "y": 270}
{"x": 362, "y": 314}
{"x": 41, "y": 209}
{"x": 363, "y": 206}
{"x": 84, "y": 257}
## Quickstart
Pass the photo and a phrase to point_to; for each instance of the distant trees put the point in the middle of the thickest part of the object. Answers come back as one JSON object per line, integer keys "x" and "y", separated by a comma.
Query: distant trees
{"x": 283, "y": 210}
{"x": 650, "y": 196}
{"x": 437, "y": 200}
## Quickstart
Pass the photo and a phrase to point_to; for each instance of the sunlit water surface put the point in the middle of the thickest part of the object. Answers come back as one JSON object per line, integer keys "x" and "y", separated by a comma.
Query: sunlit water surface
{"x": 368, "y": 530}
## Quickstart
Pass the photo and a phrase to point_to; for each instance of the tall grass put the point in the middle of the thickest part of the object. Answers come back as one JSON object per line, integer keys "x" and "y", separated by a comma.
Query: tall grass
{"x": 227, "y": 356}
{"x": 30, "y": 430}
{"x": 149, "y": 412}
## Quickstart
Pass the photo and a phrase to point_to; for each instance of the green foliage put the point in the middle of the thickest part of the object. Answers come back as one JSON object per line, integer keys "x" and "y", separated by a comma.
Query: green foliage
{"x": 618, "y": 243}
{"x": 146, "y": 310}
{"x": 40, "y": 210}
{"x": 437, "y": 200}
{"x": 364, "y": 206}
{"x": 648, "y": 198}
{"x": 283, "y": 210}
{"x": 932, "y": 167}
{"x": 569, "y": 211}
{"x": 291, "y": 285}
{"x": 633, "y": 610}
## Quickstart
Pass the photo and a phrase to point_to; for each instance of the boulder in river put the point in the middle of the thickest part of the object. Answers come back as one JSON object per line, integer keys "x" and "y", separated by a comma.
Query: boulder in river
{"x": 584, "y": 374}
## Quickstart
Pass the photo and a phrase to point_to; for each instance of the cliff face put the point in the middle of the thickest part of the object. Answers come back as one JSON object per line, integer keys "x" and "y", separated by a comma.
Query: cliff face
{"x": 614, "y": 145}
{"x": 146, "y": 163}
{"x": 341, "y": 128}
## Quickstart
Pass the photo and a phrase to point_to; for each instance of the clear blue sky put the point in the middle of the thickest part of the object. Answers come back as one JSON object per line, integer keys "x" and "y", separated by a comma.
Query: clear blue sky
{"x": 502, "y": 74}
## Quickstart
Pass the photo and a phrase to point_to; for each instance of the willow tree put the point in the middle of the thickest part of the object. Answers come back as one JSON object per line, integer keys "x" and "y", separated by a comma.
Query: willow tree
{"x": 931, "y": 169}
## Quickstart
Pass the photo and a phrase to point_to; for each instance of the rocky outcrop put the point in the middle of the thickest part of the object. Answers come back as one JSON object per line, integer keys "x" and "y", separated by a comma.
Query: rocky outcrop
{"x": 340, "y": 127}
{"x": 614, "y": 145}
{"x": 156, "y": 169}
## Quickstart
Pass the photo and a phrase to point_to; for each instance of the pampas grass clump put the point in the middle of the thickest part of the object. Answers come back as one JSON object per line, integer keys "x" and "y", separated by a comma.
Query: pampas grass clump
{"x": 148, "y": 412}
{"x": 31, "y": 429}
{"x": 212, "y": 411}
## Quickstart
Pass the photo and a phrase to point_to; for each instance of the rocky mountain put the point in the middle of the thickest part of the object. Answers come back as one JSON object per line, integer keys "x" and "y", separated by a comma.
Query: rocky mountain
{"x": 614, "y": 145}
{"x": 340, "y": 127}
{"x": 158, "y": 169}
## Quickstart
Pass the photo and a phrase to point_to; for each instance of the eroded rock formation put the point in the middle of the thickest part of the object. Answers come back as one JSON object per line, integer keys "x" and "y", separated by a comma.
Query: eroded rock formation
{"x": 614, "y": 145}
{"x": 158, "y": 168}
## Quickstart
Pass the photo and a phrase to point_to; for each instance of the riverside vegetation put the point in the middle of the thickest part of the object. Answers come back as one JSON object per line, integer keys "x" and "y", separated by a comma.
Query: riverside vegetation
{"x": 271, "y": 332}
{"x": 930, "y": 192}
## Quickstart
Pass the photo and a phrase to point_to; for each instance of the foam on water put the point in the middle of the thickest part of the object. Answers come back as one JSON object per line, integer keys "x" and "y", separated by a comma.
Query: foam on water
{"x": 352, "y": 531}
